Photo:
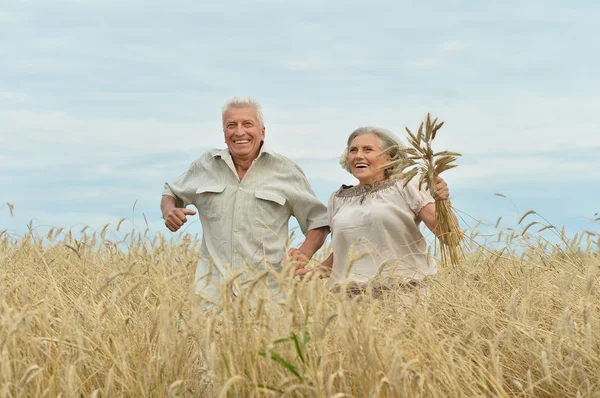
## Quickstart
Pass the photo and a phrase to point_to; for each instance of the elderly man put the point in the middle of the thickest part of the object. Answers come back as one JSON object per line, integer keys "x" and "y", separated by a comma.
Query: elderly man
{"x": 245, "y": 195}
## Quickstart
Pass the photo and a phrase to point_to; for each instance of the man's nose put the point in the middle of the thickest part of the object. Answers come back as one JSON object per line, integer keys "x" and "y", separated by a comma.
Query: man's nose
{"x": 239, "y": 129}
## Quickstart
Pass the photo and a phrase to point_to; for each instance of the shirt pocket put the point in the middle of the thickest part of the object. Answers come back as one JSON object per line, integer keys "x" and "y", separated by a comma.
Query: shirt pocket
{"x": 270, "y": 209}
{"x": 210, "y": 199}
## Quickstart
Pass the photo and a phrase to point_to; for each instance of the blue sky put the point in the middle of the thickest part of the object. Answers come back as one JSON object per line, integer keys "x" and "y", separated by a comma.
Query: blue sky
{"x": 102, "y": 101}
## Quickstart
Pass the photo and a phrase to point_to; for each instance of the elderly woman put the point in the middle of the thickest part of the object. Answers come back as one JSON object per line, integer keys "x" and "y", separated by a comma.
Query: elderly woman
{"x": 375, "y": 224}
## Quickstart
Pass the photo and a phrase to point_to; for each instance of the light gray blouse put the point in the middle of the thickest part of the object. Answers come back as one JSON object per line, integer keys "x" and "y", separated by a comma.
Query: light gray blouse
{"x": 375, "y": 233}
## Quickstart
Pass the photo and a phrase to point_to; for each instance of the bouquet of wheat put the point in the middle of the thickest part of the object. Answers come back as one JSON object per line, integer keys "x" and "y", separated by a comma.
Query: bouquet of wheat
{"x": 420, "y": 160}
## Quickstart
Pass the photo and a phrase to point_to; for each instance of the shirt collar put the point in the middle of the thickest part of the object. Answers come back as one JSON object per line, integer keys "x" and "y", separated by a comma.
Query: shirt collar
{"x": 223, "y": 153}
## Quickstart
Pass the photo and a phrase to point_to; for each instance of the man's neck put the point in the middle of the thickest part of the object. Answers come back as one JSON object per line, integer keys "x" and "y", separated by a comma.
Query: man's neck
{"x": 242, "y": 165}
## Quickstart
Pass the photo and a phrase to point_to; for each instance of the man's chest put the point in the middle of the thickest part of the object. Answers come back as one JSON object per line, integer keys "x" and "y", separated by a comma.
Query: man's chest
{"x": 261, "y": 193}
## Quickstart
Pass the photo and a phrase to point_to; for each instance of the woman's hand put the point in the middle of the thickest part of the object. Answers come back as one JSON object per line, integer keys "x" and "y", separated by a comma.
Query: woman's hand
{"x": 322, "y": 270}
{"x": 440, "y": 189}
{"x": 427, "y": 213}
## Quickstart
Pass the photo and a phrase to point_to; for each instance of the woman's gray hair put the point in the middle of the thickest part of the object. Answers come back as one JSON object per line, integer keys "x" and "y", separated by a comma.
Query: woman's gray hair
{"x": 388, "y": 141}
{"x": 243, "y": 102}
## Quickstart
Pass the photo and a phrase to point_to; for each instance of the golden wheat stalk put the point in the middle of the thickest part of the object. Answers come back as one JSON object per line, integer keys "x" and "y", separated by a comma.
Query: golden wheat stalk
{"x": 420, "y": 160}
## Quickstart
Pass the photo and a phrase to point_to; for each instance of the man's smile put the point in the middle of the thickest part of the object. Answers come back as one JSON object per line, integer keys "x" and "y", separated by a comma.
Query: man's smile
{"x": 239, "y": 142}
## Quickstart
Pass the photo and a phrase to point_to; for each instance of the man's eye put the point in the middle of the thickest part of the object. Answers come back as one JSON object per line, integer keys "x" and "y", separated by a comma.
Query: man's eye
{"x": 248, "y": 124}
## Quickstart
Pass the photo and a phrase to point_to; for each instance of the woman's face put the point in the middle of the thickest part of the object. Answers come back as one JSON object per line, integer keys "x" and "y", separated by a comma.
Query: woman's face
{"x": 364, "y": 161}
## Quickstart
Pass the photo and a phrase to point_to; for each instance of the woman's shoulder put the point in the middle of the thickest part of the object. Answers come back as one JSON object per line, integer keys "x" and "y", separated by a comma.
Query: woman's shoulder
{"x": 343, "y": 191}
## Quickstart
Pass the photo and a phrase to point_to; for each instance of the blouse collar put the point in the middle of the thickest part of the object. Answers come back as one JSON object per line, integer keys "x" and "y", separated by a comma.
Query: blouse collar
{"x": 359, "y": 190}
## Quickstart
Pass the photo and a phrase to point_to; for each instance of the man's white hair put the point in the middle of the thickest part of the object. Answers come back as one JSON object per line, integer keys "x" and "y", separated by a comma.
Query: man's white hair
{"x": 243, "y": 102}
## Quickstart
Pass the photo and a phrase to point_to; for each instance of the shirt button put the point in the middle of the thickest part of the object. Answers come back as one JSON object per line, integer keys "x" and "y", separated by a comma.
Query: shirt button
{"x": 235, "y": 230}
{"x": 241, "y": 189}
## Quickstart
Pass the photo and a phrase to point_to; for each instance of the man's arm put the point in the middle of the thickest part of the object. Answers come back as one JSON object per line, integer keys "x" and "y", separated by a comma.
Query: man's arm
{"x": 174, "y": 217}
{"x": 167, "y": 203}
{"x": 322, "y": 270}
{"x": 314, "y": 240}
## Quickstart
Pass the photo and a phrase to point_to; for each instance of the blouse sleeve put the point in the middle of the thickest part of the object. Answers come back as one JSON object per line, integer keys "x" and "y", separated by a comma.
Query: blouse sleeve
{"x": 415, "y": 198}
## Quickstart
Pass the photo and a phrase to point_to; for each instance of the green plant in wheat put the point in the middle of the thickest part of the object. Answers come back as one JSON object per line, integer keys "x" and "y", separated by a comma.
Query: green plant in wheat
{"x": 300, "y": 345}
{"x": 420, "y": 160}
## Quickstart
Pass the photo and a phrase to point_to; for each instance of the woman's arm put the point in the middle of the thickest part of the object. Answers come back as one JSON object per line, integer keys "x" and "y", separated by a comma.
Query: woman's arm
{"x": 427, "y": 213}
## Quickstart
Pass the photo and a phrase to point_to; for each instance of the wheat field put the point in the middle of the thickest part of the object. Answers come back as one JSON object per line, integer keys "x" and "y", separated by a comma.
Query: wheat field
{"x": 105, "y": 315}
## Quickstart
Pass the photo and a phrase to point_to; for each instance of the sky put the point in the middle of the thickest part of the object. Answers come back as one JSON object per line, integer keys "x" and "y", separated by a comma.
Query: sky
{"x": 102, "y": 101}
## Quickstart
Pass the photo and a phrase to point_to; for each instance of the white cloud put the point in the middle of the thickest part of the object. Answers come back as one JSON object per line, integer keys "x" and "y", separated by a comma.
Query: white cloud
{"x": 8, "y": 17}
{"x": 8, "y": 98}
{"x": 303, "y": 64}
{"x": 428, "y": 63}
{"x": 51, "y": 43}
{"x": 329, "y": 171}
{"x": 101, "y": 192}
{"x": 42, "y": 64}
{"x": 495, "y": 171}
{"x": 43, "y": 133}
{"x": 454, "y": 46}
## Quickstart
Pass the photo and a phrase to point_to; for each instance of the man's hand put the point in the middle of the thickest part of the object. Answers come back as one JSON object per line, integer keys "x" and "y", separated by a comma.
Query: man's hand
{"x": 177, "y": 217}
{"x": 296, "y": 258}
{"x": 322, "y": 270}
{"x": 318, "y": 272}
{"x": 304, "y": 273}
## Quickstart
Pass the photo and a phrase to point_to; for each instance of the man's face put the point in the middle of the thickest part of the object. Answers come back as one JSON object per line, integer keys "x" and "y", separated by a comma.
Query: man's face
{"x": 243, "y": 132}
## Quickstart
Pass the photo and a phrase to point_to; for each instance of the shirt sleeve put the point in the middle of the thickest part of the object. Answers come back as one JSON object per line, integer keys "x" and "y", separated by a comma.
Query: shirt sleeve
{"x": 307, "y": 208}
{"x": 415, "y": 198}
{"x": 331, "y": 210}
{"x": 182, "y": 188}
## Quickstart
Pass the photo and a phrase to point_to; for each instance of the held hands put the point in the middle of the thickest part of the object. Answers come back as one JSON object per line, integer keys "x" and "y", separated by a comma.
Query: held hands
{"x": 299, "y": 261}
{"x": 440, "y": 189}
{"x": 317, "y": 272}
{"x": 177, "y": 217}
{"x": 295, "y": 258}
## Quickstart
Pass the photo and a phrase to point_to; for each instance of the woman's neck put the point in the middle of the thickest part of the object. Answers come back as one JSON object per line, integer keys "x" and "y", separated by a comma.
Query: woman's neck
{"x": 372, "y": 181}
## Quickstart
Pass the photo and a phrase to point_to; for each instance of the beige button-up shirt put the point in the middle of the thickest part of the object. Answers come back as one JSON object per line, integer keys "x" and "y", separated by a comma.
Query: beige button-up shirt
{"x": 244, "y": 223}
